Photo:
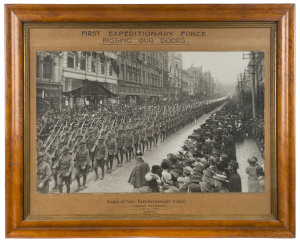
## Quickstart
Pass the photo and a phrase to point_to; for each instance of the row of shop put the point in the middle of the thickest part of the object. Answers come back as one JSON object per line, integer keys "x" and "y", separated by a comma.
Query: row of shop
{"x": 90, "y": 93}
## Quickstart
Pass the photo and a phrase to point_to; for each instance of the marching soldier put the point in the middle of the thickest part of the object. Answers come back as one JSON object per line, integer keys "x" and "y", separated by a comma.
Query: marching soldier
{"x": 129, "y": 141}
{"x": 156, "y": 132}
{"x": 39, "y": 144}
{"x": 112, "y": 148}
{"x": 136, "y": 137}
{"x": 162, "y": 130}
{"x": 121, "y": 147}
{"x": 81, "y": 164}
{"x": 43, "y": 174}
{"x": 75, "y": 144}
{"x": 143, "y": 137}
{"x": 91, "y": 142}
{"x": 47, "y": 157}
{"x": 56, "y": 156}
{"x": 100, "y": 157}
{"x": 65, "y": 167}
{"x": 149, "y": 134}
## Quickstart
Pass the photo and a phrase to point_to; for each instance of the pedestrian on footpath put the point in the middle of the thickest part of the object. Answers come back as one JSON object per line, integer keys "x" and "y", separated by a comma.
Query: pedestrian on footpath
{"x": 137, "y": 176}
{"x": 235, "y": 184}
{"x": 260, "y": 185}
{"x": 252, "y": 175}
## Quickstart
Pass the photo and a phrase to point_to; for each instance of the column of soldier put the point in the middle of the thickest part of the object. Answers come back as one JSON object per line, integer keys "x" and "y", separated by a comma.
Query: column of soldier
{"x": 208, "y": 162}
{"x": 76, "y": 143}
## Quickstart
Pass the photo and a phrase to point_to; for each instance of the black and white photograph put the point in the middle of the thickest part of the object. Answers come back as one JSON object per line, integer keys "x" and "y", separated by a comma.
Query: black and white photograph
{"x": 150, "y": 122}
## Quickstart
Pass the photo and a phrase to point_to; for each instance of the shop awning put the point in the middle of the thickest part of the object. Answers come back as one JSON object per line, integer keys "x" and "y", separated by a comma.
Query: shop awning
{"x": 90, "y": 88}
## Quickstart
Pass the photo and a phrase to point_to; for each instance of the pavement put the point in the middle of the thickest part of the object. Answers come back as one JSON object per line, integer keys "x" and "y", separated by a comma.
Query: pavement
{"x": 244, "y": 150}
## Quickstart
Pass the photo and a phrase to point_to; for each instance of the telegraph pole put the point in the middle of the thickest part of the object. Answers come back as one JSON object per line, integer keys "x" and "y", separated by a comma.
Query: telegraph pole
{"x": 251, "y": 57}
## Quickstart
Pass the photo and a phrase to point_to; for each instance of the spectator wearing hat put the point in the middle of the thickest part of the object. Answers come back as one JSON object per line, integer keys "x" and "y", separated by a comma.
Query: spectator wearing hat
{"x": 65, "y": 167}
{"x": 206, "y": 187}
{"x": 260, "y": 184}
{"x": 229, "y": 147}
{"x": 43, "y": 174}
{"x": 137, "y": 176}
{"x": 220, "y": 183}
{"x": 234, "y": 178}
{"x": 81, "y": 164}
{"x": 153, "y": 182}
{"x": 222, "y": 165}
{"x": 194, "y": 185}
{"x": 165, "y": 175}
{"x": 156, "y": 169}
{"x": 185, "y": 178}
{"x": 100, "y": 157}
{"x": 212, "y": 163}
{"x": 177, "y": 173}
{"x": 252, "y": 175}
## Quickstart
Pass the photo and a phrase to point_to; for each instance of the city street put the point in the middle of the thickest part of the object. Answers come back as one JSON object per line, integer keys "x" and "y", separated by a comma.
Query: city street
{"x": 117, "y": 181}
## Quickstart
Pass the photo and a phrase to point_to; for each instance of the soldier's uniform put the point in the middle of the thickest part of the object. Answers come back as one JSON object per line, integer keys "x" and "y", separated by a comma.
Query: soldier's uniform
{"x": 39, "y": 144}
{"x": 121, "y": 147}
{"x": 156, "y": 132}
{"x": 136, "y": 137}
{"x": 149, "y": 134}
{"x": 43, "y": 174}
{"x": 47, "y": 157}
{"x": 90, "y": 144}
{"x": 82, "y": 163}
{"x": 129, "y": 141}
{"x": 143, "y": 137}
{"x": 65, "y": 167}
{"x": 57, "y": 154}
{"x": 112, "y": 148}
{"x": 162, "y": 131}
{"x": 100, "y": 157}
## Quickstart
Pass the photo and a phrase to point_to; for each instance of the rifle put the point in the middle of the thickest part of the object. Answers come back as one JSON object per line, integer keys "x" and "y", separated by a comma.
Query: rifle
{"x": 52, "y": 140}
{"x": 42, "y": 129}
{"x": 96, "y": 143}
{"x": 47, "y": 140}
{"x": 55, "y": 165}
{"x": 113, "y": 123}
{"x": 71, "y": 137}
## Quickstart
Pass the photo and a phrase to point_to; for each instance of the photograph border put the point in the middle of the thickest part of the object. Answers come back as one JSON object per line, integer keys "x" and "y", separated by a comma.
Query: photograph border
{"x": 17, "y": 17}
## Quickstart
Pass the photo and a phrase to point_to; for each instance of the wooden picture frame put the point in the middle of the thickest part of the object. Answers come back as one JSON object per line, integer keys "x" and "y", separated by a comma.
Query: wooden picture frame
{"x": 281, "y": 225}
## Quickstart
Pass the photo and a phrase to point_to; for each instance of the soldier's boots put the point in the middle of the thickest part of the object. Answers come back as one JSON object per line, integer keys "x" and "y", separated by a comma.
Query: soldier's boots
{"x": 84, "y": 182}
{"x": 78, "y": 182}
{"x": 96, "y": 174}
{"x": 55, "y": 180}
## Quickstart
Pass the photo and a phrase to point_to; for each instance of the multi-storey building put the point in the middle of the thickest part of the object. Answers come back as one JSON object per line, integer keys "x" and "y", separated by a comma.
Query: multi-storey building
{"x": 195, "y": 78}
{"x": 48, "y": 80}
{"x": 69, "y": 74}
{"x": 142, "y": 75}
{"x": 175, "y": 76}
{"x": 185, "y": 82}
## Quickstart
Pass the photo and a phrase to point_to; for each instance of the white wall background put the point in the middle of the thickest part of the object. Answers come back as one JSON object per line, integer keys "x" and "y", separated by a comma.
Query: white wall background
{"x": 2, "y": 81}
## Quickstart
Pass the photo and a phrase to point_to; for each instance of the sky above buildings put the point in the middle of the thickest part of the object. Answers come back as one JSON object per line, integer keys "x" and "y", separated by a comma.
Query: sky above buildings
{"x": 224, "y": 66}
